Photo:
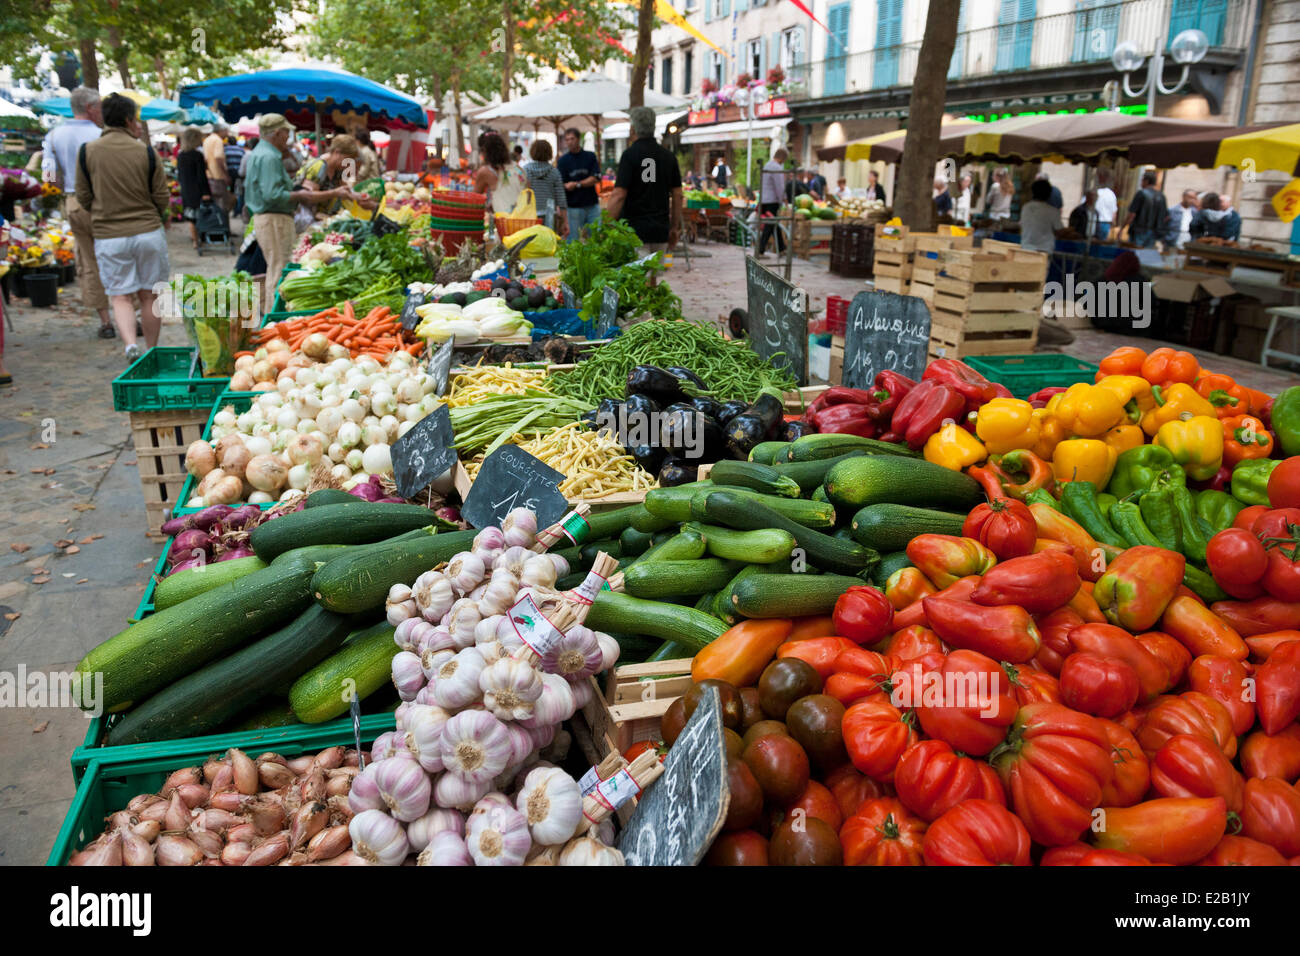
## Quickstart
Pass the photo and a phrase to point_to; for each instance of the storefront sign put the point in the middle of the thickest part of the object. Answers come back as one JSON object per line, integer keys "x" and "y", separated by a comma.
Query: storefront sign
{"x": 774, "y": 107}
{"x": 701, "y": 117}
{"x": 1081, "y": 99}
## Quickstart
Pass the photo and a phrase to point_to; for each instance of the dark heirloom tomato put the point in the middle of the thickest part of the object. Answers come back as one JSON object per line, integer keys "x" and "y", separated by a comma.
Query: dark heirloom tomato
{"x": 746, "y": 804}
{"x": 735, "y": 744}
{"x": 815, "y": 801}
{"x": 751, "y": 709}
{"x": 780, "y": 766}
{"x": 762, "y": 729}
{"x": 815, "y": 722}
{"x": 785, "y": 681}
{"x": 977, "y": 833}
{"x": 851, "y": 788}
{"x": 728, "y": 697}
{"x": 1277, "y": 755}
{"x": 673, "y": 721}
{"x": 805, "y": 842}
{"x": 1270, "y": 813}
{"x": 1243, "y": 851}
{"x": 742, "y": 848}
{"x": 1131, "y": 771}
{"x": 882, "y": 833}
{"x": 931, "y": 779}
{"x": 1191, "y": 766}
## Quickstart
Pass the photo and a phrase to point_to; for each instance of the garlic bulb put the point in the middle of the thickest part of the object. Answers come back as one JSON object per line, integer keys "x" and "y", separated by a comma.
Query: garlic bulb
{"x": 499, "y": 596}
{"x": 604, "y": 831}
{"x": 445, "y": 849}
{"x": 466, "y": 571}
{"x": 609, "y": 650}
{"x": 498, "y": 838}
{"x": 378, "y": 839}
{"x": 512, "y": 559}
{"x": 520, "y": 528}
{"x": 492, "y": 652}
{"x": 404, "y": 787}
{"x": 555, "y": 704}
{"x": 431, "y": 661}
{"x": 543, "y": 856}
{"x": 543, "y": 735}
{"x": 438, "y": 820}
{"x": 399, "y": 605}
{"x": 465, "y": 616}
{"x": 510, "y": 688}
{"x": 432, "y": 638}
{"x": 454, "y": 791}
{"x": 408, "y": 674}
{"x": 406, "y": 634}
{"x": 552, "y": 802}
{"x": 485, "y": 631}
{"x": 521, "y": 745}
{"x": 576, "y": 655}
{"x": 364, "y": 794}
{"x": 507, "y": 635}
{"x": 585, "y": 851}
{"x": 490, "y": 802}
{"x": 456, "y": 683}
{"x": 433, "y": 595}
{"x": 475, "y": 745}
{"x": 561, "y": 565}
{"x": 489, "y": 539}
{"x": 424, "y": 733}
{"x": 539, "y": 571}
{"x": 383, "y": 747}
{"x": 583, "y": 694}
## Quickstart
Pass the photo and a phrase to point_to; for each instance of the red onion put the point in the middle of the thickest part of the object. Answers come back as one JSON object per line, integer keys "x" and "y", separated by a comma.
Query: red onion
{"x": 241, "y": 552}
{"x": 187, "y": 542}
{"x": 241, "y": 517}
{"x": 185, "y": 566}
{"x": 174, "y": 526}
{"x": 448, "y": 513}
{"x": 370, "y": 490}
{"x": 206, "y": 518}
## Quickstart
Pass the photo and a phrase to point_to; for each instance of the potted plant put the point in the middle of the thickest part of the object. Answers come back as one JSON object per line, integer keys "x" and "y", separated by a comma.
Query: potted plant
{"x": 775, "y": 77}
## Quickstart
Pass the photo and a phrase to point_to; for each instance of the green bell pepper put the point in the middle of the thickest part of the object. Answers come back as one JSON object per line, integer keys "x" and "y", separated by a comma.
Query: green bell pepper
{"x": 1160, "y": 513}
{"x": 1285, "y": 419}
{"x": 1137, "y": 469}
{"x": 1079, "y": 501}
{"x": 1191, "y": 535}
{"x": 1040, "y": 496}
{"x": 1217, "y": 509}
{"x": 1250, "y": 479}
{"x": 1105, "y": 502}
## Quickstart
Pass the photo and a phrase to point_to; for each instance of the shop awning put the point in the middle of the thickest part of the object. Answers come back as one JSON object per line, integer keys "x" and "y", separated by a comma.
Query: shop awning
{"x": 884, "y": 147}
{"x": 662, "y": 122}
{"x": 731, "y": 132}
{"x": 1078, "y": 137}
{"x": 1272, "y": 146}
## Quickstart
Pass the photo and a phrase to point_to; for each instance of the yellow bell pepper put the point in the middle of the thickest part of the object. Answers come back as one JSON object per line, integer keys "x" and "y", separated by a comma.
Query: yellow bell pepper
{"x": 1049, "y": 436}
{"x": 1134, "y": 393}
{"x": 1086, "y": 410}
{"x": 1196, "y": 442}
{"x": 1005, "y": 424}
{"x": 954, "y": 447}
{"x": 1172, "y": 403}
{"x": 1084, "y": 459}
{"x": 1124, "y": 437}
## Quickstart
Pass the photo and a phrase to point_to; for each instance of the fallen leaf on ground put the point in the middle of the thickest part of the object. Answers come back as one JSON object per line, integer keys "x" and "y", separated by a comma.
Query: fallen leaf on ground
{"x": 20, "y": 547}
{"x": 62, "y": 543}
{"x": 73, "y": 549}
{"x": 129, "y": 464}
{"x": 39, "y": 444}
{"x": 40, "y": 728}
{"x": 84, "y": 506}
{"x": 14, "y": 616}
{"x": 83, "y": 580}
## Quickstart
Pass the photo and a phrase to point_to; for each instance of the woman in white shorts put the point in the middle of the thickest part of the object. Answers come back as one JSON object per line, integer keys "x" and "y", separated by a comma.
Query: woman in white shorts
{"x": 124, "y": 186}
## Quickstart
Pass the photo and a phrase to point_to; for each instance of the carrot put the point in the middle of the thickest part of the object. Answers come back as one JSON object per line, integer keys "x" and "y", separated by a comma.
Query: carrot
{"x": 348, "y": 312}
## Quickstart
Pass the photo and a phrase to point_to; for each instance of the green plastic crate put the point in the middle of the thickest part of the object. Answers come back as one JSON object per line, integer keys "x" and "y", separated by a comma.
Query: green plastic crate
{"x": 145, "y": 607}
{"x": 114, "y": 775}
{"x": 1025, "y": 374}
{"x": 165, "y": 378}
{"x": 241, "y": 401}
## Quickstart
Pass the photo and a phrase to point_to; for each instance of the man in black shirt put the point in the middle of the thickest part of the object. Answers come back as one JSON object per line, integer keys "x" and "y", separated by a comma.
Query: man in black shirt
{"x": 580, "y": 171}
{"x": 1146, "y": 213}
{"x": 648, "y": 188}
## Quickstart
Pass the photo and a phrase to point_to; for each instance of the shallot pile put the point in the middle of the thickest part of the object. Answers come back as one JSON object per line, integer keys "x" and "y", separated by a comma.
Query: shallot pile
{"x": 217, "y": 533}
{"x": 237, "y": 811}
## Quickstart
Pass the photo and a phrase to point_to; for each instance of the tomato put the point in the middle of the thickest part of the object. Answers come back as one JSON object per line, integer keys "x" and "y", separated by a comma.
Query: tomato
{"x": 785, "y": 681}
{"x": 815, "y": 722}
{"x": 863, "y": 614}
{"x": 746, "y": 804}
{"x": 1054, "y": 764}
{"x": 882, "y": 833}
{"x": 1131, "y": 770}
{"x": 931, "y": 779}
{"x": 816, "y": 801}
{"x": 1032, "y": 686}
{"x": 1068, "y": 855}
{"x": 1108, "y": 641}
{"x": 673, "y": 722}
{"x": 1112, "y": 858}
{"x": 805, "y": 842}
{"x": 1188, "y": 713}
{"x": 1284, "y": 484}
{"x": 912, "y": 643}
{"x": 637, "y": 749}
{"x": 1270, "y": 813}
{"x": 1243, "y": 851}
{"x": 1189, "y": 766}
{"x": 1004, "y": 526}
{"x": 1226, "y": 681}
{"x": 1275, "y": 755}
{"x": 742, "y": 848}
{"x": 1169, "y": 652}
{"x": 857, "y": 673}
{"x": 820, "y": 652}
{"x": 1238, "y": 561}
{"x": 876, "y": 733}
{"x": 1176, "y": 830}
{"x": 1247, "y": 517}
{"x": 851, "y": 788}
{"x": 967, "y": 703}
{"x": 750, "y": 707}
{"x": 1096, "y": 685}
{"x": 1054, "y": 630}
{"x": 1278, "y": 688}
{"x": 733, "y": 710}
{"x": 1263, "y": 645}
{"x": 977, "y": 833}
{"x": 779, "y": 765}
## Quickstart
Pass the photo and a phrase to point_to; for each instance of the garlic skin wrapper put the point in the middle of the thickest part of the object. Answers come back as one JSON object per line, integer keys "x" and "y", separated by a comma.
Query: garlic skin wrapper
{"x": 561, "y": 565}
{"x": 585, "y": 851}
{"x": 445, "y": 848}
{"x": 433, "y": 595}
{"x": 552, "y": 803}
{"x": 492, "y": 652}
{"x": 400, "y": 606}
{"x": 510, "y": 688}
{"x": 404, "y": 787}
{"x": 420, "y": 833}
{"x": 498, "y": 838}
{"x": 424, "y": 725}
{"x": 456, "y": 683}
{"x": 512, "y": 560}
{"x": 466, "y": 571}
{"x": 539, "y": 571}
{"x": 485, "y": 631}
{"x": 609, "y": 650}
{"x": 575, "y": 656}
{"x": 408, "y": 674}
{"x": 499, "y": 595}
{"x": 456, "y": 792}
{"x": 378, "y": 839}
{"x": 519, "y": 528}
{"x": 475, "y": 745}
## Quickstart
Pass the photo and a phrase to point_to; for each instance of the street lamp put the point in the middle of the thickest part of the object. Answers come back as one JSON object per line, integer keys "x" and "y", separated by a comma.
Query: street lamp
{"x": 750, "y": 100}
{"x": 1188, "y": 47}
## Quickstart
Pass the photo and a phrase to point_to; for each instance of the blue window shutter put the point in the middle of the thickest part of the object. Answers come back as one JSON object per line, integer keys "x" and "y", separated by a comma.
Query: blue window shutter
{"x": 726, "y": 8}
{"x": 742, "y": 5}
{"x": 959, "y": 51}
{"x": 708, "y": 10}
{"x": 889, "y": 34}
{"x": 1208, "y": 16}
{"x": 837, "y": 19}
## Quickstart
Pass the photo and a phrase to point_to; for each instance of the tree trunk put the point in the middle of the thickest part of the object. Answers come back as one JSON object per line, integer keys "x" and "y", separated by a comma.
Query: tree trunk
{"x": 89, "y": 65}
{"x": 161, "y": 69}
{"x": 120, "y": 57}
{"x": 914, "y": 193}
{"x": 641, "y": 61}
{"x": 508, "y": 56}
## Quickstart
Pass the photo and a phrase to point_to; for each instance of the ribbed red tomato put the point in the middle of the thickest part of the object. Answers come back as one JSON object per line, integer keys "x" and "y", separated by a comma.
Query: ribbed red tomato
{"x": 1031, "y": 685}
{"x": 851, "y": 788}
{"x": 1243, "y": 851}
{"x": 967, "y": 703}
{"x": 1096, "y": 685}
{"x": 876, "y": 733}
{"x": 1191, "y": 766}
{"x": 882, "y": 833}
{"x": 977, "y": 833}
{"x": 931, "y": 779}
{"x": 1270, "y": 813}
{"x": 1189, "y": 713}
{"x": 1132, "y": 771}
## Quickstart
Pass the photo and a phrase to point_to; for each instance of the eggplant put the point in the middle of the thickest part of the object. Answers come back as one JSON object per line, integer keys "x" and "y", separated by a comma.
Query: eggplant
{"x": 796, "y": 429}
{"x": 608, "y": 407}
{"x": 709, "y": 406}
{"x": 743, "y": 433}
{"x": 677, "y": 472}
{"x": 650, "y": 457}
{"x": 768, "y": 408}
{"x": 591, "y": 419}
{"x": 654, "y": 382}
{"x": 637, "y": 405}
{"x": 681, "y": 431}
{"x": 686, "y": 375}
{"x": 730, "y": 410}
{"x": 715, "y": 440}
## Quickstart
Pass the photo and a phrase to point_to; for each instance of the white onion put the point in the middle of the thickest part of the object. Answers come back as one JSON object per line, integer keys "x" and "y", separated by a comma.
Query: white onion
{"x": 286, "y": 418}
{"x": 290, "y": 494}
{"x": 354, "y": 459}
{"x": 404, "y": 427}
{"x": 389, "y": 423}
{"x": 305, "y": 450}
{"x": 413, "y": 414}
{"x": 259, "y": 498}
{"x": 257, "y": 445}
{"x": 299, "y": 475}
{"x": 383, "y": 403}
{"x": 266, "y": 473}
{"x": 225, "y": 418}
{"x": 410, "y": 390}
{"x": 335, "y": 452}
{"x": 349, "y": 434}
{"x": 329, "y": 420}
{"x": 307, "y": 376}
{"x": 374, "y": 434}
{"x": 353, "y": 410}
{"x": 340, "y": 472}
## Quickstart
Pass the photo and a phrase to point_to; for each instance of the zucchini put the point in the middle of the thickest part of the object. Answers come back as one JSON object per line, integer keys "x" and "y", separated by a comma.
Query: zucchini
{"x": 819, "y": 494}
{"x": 811, "y": 474}
{"x": 755, "y": 547}
{"x": 870, "y": 479}
{"x": 633, "y": 649}
{"x": 183, "y": 585}
{"x": 610, "y": 524}
{"x": 666, "y": 579}
{"x": 889, "y": 527}
{"x": 337, "y": 524}
{"x": 329, "y": 496}
{"x": 683, "y": 546}
{"x": 169, "y": 644}
{"x": 755, "y": 477}
{"x": 587, "y": 553}
{"x": 889, "y": 563}
{"x": 265, "y": 714}
{"x": 674, "y": 504}
{"x": 832, "y": 554}
{"x": 359, "y": 581}
{"x": 647, "y": 522}
{"x": 765, "y": 452}
{"x": 722, "y": 607}
{"x": 203, "y": 701}
{"x": 669, "y": 622}
{"x": 633, "y": 542}
{"x": 809, "y": 514}
{"x": 831, "y": 445}
{"x": 363, "y": 665}
{"x": 570, "y": 581}
{"x": 668, "y": 651}
{"x": 789, "y": 595}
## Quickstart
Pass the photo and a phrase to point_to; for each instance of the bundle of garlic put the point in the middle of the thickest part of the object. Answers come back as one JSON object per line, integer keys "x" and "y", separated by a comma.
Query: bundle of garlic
{"x": 491, "y": 660}
{"x": 237, "y": 811}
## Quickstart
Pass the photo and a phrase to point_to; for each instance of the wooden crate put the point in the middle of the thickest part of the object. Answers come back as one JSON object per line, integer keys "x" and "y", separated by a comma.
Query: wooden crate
{"x": 161, "y": 439}
{"x": 894, "y": 237}
{"x": 962, "y": 297}
{"x": 982, "y": 333}
{"x": 892, "y": 284}
{"x": 633, "y": 702}
{"x": 976, "y": 265}
{"x": 933, "y": 242}
{"x": 922, "y": 286}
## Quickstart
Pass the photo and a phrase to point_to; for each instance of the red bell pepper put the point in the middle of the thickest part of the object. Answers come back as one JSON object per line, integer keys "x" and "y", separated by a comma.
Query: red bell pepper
{"x": 1006, "y": 633}
{"x": 923, "y": 411}
{"x": 845, "y": 419}
{"x": 839, "y": 395}
{"x": 974, "y": 387}
{"x": 894, "y": 388}
{"x": 1040, "y": 583}
{"x": 863, "y": 614}
{"x": 1043, "y": 394}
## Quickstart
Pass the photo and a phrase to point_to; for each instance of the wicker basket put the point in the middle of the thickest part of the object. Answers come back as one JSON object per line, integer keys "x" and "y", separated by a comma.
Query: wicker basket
{"x": 508, "y": 227}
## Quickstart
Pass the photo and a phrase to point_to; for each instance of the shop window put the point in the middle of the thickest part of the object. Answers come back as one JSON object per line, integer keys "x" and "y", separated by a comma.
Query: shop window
{"x": 666, "y": 65}
{"x": 754, "y": 58}
{"x": 688, "y": 69}
{"x": 791, "y": 48}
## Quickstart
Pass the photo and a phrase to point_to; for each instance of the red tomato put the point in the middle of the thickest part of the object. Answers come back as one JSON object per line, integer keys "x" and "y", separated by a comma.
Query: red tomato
{"x": 1068, "y": 855}
{"x": 967, "y": 703}
{"x": 1132, "y": 771}
{"x": 743, "y": 848}
{"x": 876, "y": 733}
{"x": 1275, "y": 755}
{"x": 820, "y": 652}
{"x": 1112, "y": 858}
{"x": 913, "y": 642}
{"x": 1004, "y": 526}
{"x": 1054, "y": 631}
{"x": 1278, "y": 688}
{"x": 851, "y": 788}
{"x": 1284, "y": 484}
{"x": 1174, "y": 830}
{"x": 1188, "y": 713}
{"x": 1054, "y": 764}
{"x": 1243, "y": 851}
{"x": 641, "y": 746}
{"x": 1100, "y": 686}
{"x": 931, "y": 779}
{"x": 1270, "y": 813}
{"x": 857, "y": 673}
{"x": 1226, "y": 681}
{"x": 882, "y": 833}
{"x": 1237, "y": 560}
{"x": 1247, "y": 517}
{"x": 1032, "y": 686}
{"x": 1189, "y": 766}
{"x": 816, "y": 801}
{"x": 863, "y": 614}
{"x": 1170, "y": 652}
{"x": 977, "y": 833}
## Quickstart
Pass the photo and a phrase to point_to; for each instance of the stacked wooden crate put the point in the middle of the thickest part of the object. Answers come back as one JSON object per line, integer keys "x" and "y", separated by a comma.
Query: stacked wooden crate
{"x": 927, "y": 260}
{"x": 891, "y": 266}
{"x": 161, "y": 440}
{"x": 987, "y": 301}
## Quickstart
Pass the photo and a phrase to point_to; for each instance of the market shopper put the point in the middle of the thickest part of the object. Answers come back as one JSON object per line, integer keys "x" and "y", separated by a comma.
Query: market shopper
{"x": 720, "y": 172}
{"x": 368, "y": 165}
{"x": 648, "y": 189}
{"x": 771, "y": 187}
{"x": 191, "y": 176}
{"x": 942, "y": 198}
{"x": 1107, "y": 205}
{"x": 547, "y": 184}
{"x": 499, "y": 178}
{"x": 332, "y": 170}
{"x": 1146, "y": 213}
{"x": 874, "y": 189}
{"x": 234, "y": 158}
{"x": 1183, "y": 214}
{"x": 1055, "y": 200}
{"x": 1039, "y": 219}
{"x": 998, "y": 203}
{"x": 1215, "y": 219}
{"x": 59, "y": 165}
{"x": 961, "y": 205}
{"x": 581, "y": 172}
{"x": 1083, "y": 217}
{"x": 219, "y": 179}
{"x": 124, "y": 186}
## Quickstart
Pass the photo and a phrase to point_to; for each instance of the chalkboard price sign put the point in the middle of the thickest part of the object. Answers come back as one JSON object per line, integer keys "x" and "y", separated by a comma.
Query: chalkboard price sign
{"x": 440, "y": 366}
{"x": 778, "y": 320}
{"x": 424, "y": 452}
{"x": 409, "y": 317}
{"x": 681, "y": 813}
{"x": 567, "y": 298}
{"x": 511, "y": 478}
{"x": 885, "y": 332}
{"x": 608, "y": 311}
